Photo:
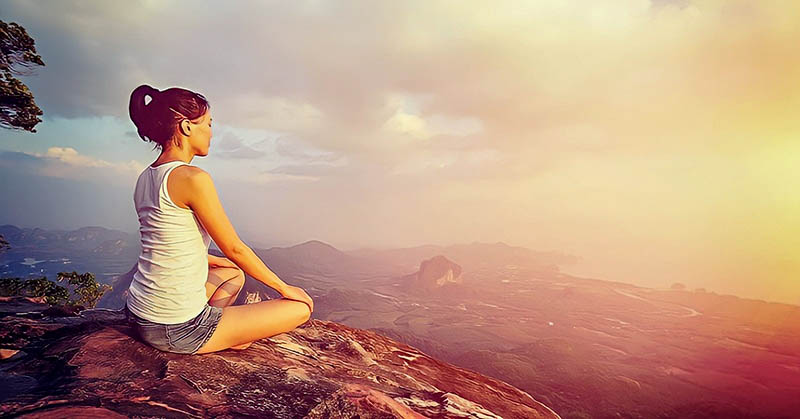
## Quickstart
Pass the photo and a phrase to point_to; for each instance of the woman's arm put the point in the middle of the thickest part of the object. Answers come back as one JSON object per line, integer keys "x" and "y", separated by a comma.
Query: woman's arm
{"x": 204, "y": 201}
{"x": 220, "y": 262}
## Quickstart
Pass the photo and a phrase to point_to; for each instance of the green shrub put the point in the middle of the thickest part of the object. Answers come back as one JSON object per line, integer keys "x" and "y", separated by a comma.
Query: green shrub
{"x": 86, "y": 289}
{"x": 11, "y": 286}
{"x": 52, "y": 292}
{"x": 37, "y": 287}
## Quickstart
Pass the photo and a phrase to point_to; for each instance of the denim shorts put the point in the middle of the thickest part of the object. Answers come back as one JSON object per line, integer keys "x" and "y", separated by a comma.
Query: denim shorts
{"x": 183, "y": 338}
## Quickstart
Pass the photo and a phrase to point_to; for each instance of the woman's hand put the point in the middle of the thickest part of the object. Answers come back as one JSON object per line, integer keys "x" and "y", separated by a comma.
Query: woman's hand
{"x": 298, "y": 294}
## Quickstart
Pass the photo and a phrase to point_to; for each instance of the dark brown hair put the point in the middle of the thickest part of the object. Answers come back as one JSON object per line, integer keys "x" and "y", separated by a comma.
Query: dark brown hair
{"x": 157, "y": 120}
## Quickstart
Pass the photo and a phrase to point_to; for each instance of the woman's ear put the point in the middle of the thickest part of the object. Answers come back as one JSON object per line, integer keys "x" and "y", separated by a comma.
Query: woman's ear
{"x": 185, "y": 127}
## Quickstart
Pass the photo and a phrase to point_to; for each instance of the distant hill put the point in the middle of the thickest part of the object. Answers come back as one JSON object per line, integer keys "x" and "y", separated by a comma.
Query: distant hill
{"x": 473, "y": 256}
{"x": 94, "y": 239}
{"x": 436, "y": 275}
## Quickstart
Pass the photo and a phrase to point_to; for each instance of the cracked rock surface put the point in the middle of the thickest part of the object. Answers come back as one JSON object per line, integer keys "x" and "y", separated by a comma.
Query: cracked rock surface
{"x": 53, "y": 364}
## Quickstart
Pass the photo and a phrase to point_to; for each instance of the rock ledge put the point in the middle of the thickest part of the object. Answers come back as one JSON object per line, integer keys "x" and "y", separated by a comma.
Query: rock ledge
{"x": 92, "y": 364}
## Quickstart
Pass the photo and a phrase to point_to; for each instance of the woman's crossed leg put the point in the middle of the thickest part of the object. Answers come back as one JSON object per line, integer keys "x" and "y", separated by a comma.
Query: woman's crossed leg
{"x": 223, "y": 285}
{"x": 241, "y": 325}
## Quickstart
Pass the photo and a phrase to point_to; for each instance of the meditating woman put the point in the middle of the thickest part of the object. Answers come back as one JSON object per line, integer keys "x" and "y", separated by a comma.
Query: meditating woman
{"x": 180, "y": 299}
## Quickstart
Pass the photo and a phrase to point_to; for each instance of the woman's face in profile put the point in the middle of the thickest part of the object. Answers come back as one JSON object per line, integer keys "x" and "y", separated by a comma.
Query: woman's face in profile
{"x": 201, "y": 134}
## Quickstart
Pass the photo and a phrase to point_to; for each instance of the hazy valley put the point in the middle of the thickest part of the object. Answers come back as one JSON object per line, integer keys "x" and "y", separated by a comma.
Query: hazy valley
{"x": 584, "y": 347}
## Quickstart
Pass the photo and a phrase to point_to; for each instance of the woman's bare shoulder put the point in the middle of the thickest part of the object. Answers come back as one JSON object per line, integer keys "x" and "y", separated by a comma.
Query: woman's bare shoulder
{"x": 186, "y": 174}
{"x": 186, "y": 181}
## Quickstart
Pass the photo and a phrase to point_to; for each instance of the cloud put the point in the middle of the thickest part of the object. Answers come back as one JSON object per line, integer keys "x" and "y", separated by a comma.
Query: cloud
{"x": 515, "y": 75}
{"x": 275, "y": 113}
{"x": 297, "y": 150}
{"x": 68, "y": 163}
{"x": 276, "y": 176}
{"x": 61, "y": 203}
{"x": 408, "y": 124}
{"x": 232, "y": 147}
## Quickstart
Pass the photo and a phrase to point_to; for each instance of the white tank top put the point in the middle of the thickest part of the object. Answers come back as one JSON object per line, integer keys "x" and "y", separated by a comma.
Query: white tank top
{"x": 168, "y": 285}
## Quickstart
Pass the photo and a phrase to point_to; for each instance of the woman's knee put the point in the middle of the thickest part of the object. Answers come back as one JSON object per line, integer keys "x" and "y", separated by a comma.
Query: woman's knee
{"x": 306, "y": 314}
{"x": 302, "y": 309}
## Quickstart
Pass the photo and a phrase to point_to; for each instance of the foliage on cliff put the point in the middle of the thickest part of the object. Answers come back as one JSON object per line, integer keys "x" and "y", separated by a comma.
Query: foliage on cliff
{"x": 86, "y": 292}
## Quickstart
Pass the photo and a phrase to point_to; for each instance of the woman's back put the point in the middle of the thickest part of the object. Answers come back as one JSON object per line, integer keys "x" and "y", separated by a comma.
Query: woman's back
{"x": 169, "y": 284}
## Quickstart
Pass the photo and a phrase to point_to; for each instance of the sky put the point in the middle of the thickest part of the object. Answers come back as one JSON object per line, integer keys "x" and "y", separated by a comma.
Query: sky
{"x": 655, "y": 140}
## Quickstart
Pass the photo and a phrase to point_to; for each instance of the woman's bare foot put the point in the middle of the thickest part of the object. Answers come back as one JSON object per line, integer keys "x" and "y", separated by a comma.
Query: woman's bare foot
{"x": 242, "y": 346}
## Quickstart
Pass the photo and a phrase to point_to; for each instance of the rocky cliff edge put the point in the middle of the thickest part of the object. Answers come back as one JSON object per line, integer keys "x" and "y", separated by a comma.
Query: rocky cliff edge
{"x": 55, "y": 364}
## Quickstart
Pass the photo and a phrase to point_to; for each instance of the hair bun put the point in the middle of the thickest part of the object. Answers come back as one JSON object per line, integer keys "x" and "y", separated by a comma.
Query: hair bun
{"x": 149, "y": 91}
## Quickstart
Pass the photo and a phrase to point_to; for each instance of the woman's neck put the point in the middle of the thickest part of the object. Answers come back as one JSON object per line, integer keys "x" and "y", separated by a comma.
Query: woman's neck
{"x": 172, "y": 155}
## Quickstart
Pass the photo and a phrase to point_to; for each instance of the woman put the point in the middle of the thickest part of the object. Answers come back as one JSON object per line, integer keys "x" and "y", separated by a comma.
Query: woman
{"x": 180, "y": 299}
